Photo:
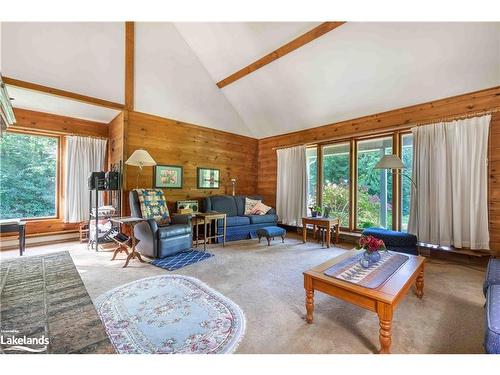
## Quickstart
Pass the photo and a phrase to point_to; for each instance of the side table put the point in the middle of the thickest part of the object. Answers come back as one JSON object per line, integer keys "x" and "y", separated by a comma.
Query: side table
{"x": 208, "y": 218}
{"x": 131, "y": 222}
{"x": 325, "y": 222}
{"x": 15, "y": 225}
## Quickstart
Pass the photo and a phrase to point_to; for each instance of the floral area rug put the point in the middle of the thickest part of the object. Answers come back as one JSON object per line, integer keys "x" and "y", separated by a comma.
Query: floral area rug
{"x": 170, "y": 314}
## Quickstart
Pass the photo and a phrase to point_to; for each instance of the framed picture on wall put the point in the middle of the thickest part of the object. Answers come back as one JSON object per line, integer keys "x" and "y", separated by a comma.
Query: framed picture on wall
{"x": 167, "y": 176}
{"x": 208, "y": 178}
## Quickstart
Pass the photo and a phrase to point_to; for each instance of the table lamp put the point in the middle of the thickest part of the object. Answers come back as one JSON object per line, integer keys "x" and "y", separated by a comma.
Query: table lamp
{"x": 140, "y": 158}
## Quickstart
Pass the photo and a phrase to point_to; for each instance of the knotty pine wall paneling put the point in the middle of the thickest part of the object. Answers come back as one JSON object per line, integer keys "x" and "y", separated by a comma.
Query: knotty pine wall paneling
{"x": 171, "y": 142}
{"x": 476, "y": 102}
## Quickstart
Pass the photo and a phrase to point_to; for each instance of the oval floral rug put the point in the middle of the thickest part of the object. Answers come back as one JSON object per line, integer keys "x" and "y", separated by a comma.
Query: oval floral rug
{"x": 170, "y": 314}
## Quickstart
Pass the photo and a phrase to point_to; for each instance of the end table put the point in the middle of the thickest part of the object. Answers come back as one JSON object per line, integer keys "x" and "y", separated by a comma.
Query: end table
{"x": 131, "y": 222}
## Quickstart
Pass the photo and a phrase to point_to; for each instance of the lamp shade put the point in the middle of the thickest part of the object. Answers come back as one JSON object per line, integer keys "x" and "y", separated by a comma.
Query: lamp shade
{"x": 389, "y": 162}
{"x": 140, "y": 158}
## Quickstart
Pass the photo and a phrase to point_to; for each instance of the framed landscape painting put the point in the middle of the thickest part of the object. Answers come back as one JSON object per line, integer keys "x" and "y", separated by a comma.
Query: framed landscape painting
{"x": 208, "y": 178}
{"x": 167, "y": 176}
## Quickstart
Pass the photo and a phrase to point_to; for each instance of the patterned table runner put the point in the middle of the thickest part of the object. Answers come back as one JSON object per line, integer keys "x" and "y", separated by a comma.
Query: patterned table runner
{"x": 350, "y": 270}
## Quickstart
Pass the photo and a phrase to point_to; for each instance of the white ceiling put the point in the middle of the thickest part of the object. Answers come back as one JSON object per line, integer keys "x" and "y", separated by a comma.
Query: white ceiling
{"x": 83, "y": 57}
{"x": 36, "y": 101}
{"x": 355, "y": 70}
{"x": 170, "y": 81}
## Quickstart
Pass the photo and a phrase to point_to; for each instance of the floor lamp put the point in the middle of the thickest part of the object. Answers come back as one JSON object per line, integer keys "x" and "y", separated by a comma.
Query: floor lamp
{"x": 140, "y": 158}
{"x": 393, "y": 162}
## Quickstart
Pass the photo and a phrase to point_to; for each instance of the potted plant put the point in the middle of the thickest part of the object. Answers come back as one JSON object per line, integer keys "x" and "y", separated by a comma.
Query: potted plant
{"x": 315, "y": 211}
{"x": 372, "y": 247}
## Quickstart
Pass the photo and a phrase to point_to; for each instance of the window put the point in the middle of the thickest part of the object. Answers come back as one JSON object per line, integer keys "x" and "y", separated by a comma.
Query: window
{"x": 312, "y": 173}
{"x": 335, "y": 192}
{"x": 374, "y": 186}
{"x": 406, "y": 184}
{"x": 28, "y": 176}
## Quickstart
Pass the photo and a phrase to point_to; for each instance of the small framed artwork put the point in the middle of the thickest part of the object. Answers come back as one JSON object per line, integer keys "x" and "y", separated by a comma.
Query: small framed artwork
{"x": 208, "y": 178}
{"x": 167, "y": 176}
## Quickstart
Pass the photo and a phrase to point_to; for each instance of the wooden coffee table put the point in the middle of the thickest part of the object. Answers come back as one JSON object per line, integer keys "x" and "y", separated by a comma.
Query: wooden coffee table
{"x": 382, "y": 300}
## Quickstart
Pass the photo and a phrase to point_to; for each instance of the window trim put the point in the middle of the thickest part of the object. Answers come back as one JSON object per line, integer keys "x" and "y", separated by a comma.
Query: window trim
{"x": 353, "y": 141}
{"x": 59, "y": 171}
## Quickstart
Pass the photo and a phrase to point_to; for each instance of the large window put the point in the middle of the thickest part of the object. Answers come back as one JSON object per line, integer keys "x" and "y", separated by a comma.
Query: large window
{"x": 374, "y": 188}
{"x": 28, "y": 176}
{"x": 406, "y": 184}
{"x": 312, "y": 173}
{"x": 335, "y": 192}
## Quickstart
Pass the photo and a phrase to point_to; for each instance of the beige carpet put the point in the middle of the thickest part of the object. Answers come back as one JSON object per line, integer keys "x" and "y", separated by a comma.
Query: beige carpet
{"x": 267, "y": 283}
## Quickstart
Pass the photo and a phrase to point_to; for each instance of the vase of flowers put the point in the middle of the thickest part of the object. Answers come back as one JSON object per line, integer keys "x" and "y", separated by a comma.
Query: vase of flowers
{"x": 372, "y": 247}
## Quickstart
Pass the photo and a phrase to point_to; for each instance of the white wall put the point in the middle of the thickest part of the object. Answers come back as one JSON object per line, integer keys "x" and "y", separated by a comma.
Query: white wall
{"x": 83, "y": 57}
{"x": 170, "y": 81}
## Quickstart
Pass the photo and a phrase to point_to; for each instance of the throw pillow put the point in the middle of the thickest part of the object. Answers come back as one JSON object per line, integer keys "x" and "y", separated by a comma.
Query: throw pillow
{"x": 250, "y": 204}
{"x": 260, "y": 209}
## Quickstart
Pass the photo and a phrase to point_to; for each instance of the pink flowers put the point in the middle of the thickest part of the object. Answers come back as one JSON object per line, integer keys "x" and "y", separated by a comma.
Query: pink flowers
{"x": 371, "y": 244}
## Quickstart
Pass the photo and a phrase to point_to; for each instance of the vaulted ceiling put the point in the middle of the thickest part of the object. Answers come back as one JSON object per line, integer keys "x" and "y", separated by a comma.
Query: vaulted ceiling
{"x": 354, "y": 70}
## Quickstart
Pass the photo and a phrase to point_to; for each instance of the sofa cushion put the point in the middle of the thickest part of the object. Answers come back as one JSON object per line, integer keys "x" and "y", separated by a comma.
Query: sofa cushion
{"x": 492, "y": 274}
{"x": 492, "y": 338}
{"x": 174, "y": 230}
{"x": 259, "y": 219}
{"x": 240, "y": 202}
{"x": 250, "y": 204}
{"x": 225, "y": 204}
{"x": 234, "y": 221}
{"x": 392, "y": 237}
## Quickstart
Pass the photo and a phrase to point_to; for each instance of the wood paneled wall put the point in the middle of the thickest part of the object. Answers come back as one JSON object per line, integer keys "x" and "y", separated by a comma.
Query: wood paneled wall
{"x": 456, "y": 106}
{"x": 47, "y": 122}
{"x": 172, "y": 142}
{"x": 39, "y": 122}
{"x": 116, "y": 139}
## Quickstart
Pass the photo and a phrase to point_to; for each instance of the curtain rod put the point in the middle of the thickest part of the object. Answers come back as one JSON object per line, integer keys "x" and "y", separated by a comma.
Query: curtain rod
{"x": 392, "y": 128}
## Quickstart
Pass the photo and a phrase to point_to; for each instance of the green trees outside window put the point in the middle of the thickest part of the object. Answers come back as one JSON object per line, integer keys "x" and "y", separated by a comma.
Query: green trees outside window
{"x": 28, "y": 176}
{"x": 374, "y": 187}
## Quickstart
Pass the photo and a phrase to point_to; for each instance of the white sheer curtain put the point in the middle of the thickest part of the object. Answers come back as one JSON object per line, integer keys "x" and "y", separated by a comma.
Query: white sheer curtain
{"x": 291, "y": 199}
{"x": 449, "y": 206}
{"x": 83, "y": 156}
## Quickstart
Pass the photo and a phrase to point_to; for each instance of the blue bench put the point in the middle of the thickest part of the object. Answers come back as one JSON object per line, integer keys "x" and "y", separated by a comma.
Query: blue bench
{"x": 492, "y": 307}
{"x": 271, "y": 232}
{"x": 395, "y": 241}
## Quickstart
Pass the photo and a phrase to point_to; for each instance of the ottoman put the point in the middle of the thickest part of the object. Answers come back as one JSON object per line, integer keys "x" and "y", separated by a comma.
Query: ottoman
{"x": 492, "y": 274}
{"x": 271, "y": 232}
{"x": 395, "y": 241}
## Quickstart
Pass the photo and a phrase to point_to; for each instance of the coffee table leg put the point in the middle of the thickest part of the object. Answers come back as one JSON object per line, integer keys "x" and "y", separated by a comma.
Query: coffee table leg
{"x": 420, "y": 282}
{"x": 384, "y": 313}
{"x": 309, "y": 299}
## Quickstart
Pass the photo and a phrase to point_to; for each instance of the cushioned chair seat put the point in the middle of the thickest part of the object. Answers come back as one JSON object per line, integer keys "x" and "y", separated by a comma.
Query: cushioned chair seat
{"x": 173, "y": 231}
{"x": 492, "y": 274}
{"x": 392, "y": 237}
{"x": 260, "y": 219}
{"x": 492, "y": 338}
{"x": 233, "y": 221}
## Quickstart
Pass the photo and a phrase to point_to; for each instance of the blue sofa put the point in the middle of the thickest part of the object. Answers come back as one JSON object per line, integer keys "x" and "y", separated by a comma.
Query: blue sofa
{"x": 491, "y": 289}
{"x": 238, "y": 225}
{"x": 395, "y": 241}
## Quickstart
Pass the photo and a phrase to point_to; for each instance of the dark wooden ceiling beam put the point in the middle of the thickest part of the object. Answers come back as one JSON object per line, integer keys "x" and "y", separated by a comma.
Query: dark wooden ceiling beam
{"x": 62, "y": 93}
{"x": 129, "y": 65}
{"x": 280, "y": 52}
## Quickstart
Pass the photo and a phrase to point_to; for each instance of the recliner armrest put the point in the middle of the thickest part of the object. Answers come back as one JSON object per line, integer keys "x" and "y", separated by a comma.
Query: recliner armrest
{"x": 181, "y": 219}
